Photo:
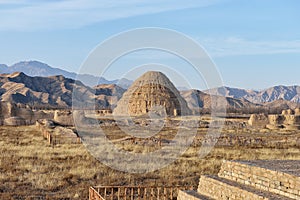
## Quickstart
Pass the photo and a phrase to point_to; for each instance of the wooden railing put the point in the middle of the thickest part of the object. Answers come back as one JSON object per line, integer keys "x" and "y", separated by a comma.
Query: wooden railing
{"x": 135, "y": 192}
{"x": 94, "y": 195}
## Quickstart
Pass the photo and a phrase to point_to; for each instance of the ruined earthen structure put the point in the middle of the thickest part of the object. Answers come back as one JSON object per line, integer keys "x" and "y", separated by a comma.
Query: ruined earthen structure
{"x": 14, "y": 121}
{"x": 259, "y": 120}
{"x": 104, "y": 112}
{"x": 292, "y": 122}
{"x": 19, "y": 114}
{"x": 289, "y": 120}
{"x": 275, "y": 121}
{"x": 152, "y": 92}
{"x": 64, "y": 117}
{"x": 297, "y": 111}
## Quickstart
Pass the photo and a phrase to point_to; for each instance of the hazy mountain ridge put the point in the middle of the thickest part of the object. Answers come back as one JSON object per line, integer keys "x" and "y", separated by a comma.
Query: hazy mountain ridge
{"x": 36, "y": 68}
{"x": 288, "y": 93}
{"x": 3, "y": 67}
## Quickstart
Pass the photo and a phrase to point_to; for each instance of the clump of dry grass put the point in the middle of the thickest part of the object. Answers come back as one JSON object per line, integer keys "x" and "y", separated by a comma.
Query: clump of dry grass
{"x": 31, "y": 168}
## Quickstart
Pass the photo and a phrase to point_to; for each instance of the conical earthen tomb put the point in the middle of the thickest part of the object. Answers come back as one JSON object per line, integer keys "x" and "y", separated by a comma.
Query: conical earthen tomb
{"x": 152, "y": 92}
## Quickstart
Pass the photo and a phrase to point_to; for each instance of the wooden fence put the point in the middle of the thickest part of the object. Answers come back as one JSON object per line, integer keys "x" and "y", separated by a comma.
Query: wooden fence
{"x": 135, "y": 192}
{"x": 94, "y": 195}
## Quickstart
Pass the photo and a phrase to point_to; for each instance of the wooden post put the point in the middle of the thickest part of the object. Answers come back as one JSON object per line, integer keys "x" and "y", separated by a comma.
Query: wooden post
{"x": 139, "y": 193}
{"x": 125, "y": 193}
{"x": 112, "y": 193}
{"x": 118, "y": 193}
{"x": 145, "y": 193}
{"x": 90, "y": 194}
{"x": 132, "y": 194}
{"x": 152, "y": 193}
{"x": 49, "y": 138}
{"x": 165, "y": 193}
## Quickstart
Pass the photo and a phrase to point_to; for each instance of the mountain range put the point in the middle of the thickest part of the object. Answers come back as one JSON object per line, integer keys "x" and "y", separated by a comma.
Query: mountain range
{"x": 55, "y": 91}
{"x": 288, "y": 93}
{"x": 58, "y": 92}
{"x": 36, "y": 68}
{"x": 198, "y": 99}
{"x": 43, "y": 85}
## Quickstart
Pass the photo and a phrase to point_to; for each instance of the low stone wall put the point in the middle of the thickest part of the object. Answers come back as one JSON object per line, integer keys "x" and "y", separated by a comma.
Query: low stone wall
{"x": 253, "y": 141}
{"x": 264, "y": 179}
{"x": 220, "y": 190}
{"x": 57, "y": 135}
{"x": 190, "y": 195}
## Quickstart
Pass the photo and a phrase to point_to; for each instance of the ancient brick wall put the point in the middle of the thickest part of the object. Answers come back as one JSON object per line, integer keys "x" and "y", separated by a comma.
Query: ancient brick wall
{"x": 264, "y": 179}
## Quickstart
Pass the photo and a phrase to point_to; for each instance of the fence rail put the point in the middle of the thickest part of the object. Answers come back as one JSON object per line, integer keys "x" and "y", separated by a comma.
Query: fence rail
{"x": 135, "y": 192}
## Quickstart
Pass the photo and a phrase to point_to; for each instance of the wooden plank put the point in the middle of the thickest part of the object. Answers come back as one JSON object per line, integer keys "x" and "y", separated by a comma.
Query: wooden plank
{"x": 125, "y": 193}
{"x": 90, "y": 194}
{"x": 145, "y": 193}
{"x": 165, "y": 193}
{"x": 152, "y": 193}
{"x": 139, "y": 193}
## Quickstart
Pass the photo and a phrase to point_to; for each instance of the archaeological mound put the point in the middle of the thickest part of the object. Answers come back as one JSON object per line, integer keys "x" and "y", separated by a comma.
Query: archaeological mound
{"x": 152, "y": 93}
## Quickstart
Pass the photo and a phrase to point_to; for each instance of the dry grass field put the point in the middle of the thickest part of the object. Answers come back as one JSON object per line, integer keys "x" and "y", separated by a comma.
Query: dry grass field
{"x": 32, "y": 169}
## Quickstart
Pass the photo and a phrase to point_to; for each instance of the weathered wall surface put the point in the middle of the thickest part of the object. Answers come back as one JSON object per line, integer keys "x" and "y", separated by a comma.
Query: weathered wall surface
{"x": 265, "y": 179}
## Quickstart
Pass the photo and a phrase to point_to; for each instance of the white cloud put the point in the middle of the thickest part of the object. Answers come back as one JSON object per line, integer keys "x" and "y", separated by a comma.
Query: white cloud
{"x": 2, "y": 2}
{"x": 33, "y": 15}
{"x": 232, "y": 46}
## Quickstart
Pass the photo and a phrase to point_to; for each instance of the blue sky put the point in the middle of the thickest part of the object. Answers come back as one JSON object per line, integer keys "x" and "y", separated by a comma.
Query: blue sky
{"x": 255, "y": 44}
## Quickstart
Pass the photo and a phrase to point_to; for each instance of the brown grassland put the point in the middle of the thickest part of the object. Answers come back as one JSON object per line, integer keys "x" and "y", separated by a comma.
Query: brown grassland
{"x": 30, "y": 168}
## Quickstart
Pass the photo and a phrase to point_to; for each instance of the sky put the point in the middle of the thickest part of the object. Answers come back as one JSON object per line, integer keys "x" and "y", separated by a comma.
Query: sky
{"x": 253, "y": 44}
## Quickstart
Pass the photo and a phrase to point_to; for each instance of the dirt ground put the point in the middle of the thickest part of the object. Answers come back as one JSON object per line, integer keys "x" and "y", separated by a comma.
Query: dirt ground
{"x": 30, "y": 168}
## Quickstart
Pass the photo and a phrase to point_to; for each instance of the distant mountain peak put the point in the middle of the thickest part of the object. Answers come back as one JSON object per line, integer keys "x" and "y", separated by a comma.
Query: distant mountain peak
{"x": 287, "y": 93}
{"x": 29, "y": 62}
{"x": 37, "y": 68}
